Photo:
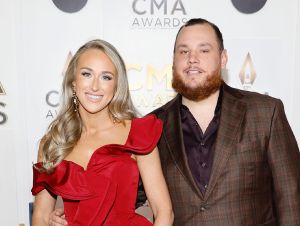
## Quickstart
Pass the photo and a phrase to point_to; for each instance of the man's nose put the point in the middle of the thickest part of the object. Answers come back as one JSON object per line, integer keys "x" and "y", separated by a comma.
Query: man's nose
{"x": 193, "y": 57}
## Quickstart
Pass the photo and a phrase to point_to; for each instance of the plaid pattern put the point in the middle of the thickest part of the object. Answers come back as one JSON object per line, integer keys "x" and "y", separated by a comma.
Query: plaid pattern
{"x": 255, "y": 177}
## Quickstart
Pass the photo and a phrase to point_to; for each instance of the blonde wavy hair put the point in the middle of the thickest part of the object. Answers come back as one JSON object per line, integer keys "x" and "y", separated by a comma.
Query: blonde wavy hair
{"x": 64, "y": 132}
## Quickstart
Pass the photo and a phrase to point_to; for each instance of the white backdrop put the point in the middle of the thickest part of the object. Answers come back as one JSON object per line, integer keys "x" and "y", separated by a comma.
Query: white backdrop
{"x": 37, "y": 37}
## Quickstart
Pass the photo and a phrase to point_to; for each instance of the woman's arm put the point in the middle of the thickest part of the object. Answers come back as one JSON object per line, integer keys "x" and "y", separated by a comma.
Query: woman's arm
{"x": 43, "y": 205}
{"x": 156, "y": 188}
{"x": 44, "y": 202}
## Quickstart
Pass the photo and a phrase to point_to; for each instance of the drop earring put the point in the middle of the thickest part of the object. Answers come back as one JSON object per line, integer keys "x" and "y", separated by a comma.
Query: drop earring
{"x": 75, "y": 100}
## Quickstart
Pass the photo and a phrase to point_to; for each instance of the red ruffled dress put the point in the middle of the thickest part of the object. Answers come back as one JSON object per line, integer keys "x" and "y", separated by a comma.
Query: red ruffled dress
{"x": 104, "y": 193}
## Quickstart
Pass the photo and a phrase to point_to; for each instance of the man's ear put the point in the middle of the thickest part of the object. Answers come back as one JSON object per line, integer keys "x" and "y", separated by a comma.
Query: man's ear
{"x": 173, "y": 62}
{"x": 224, "y": 58}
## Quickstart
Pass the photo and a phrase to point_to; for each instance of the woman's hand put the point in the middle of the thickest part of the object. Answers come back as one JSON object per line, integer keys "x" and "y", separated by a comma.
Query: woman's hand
{"x": 57, "y": 218}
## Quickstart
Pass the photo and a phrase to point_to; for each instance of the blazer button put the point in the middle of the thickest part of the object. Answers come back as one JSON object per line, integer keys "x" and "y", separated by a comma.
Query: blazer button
{"x": 203, "y": 165}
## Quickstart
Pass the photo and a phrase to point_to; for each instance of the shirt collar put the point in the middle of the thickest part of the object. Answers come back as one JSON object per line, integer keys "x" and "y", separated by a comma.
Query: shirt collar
{"x": 184, "y": 108}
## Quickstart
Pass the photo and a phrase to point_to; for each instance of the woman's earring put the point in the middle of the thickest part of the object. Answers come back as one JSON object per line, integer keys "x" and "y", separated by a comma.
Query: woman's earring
{"x": 75, "y": 100}
{"x": 114, "y": 118}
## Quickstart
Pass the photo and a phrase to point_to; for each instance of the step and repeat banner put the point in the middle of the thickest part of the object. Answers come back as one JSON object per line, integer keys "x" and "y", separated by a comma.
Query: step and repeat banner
{"x": 40, "y": 37}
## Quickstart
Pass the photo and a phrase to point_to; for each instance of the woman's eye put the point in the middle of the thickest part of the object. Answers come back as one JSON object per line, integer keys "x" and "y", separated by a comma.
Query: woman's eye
{"x": 107, "y": 77}
{"x": 85, "y": 74}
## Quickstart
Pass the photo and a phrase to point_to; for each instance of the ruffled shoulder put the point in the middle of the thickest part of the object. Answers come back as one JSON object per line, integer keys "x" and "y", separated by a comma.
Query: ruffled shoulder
{"x": 61, "y": 181}
{"x": 144, "y": 134}
{"x": 95, "y": 192}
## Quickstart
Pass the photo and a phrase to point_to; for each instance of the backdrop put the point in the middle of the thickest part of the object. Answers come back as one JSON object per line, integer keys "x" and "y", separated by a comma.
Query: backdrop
{"x": 39, "y": 37}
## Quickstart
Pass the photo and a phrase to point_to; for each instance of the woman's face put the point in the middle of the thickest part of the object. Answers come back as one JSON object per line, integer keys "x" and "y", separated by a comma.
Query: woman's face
{"x": 95, "y": 81}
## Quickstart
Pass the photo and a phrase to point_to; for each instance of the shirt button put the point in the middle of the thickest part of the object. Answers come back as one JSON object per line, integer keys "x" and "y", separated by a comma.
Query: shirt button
{"x": 205, "y": 186}
{"x": 202, "y": 143}
{"x": 202, "y": 208}
{"x": 203, "y": 165}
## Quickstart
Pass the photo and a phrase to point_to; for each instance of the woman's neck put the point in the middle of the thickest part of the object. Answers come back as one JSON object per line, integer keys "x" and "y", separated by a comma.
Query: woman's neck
{"x": 96, "y": 122}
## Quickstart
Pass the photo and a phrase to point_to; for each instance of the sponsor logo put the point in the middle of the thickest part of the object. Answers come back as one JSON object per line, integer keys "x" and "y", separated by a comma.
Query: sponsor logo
{"x": 70, "y": 6}
{"x": 158, "y": 14}
{"x": 248, "y": 6}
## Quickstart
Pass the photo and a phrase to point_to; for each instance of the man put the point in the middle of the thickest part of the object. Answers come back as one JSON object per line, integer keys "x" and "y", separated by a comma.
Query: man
{"x": 229, "y": 156}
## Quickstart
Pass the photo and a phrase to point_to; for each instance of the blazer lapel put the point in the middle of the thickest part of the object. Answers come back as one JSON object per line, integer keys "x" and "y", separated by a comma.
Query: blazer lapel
{"x": 172, "y": 122}
{"x": 232, "y": 114}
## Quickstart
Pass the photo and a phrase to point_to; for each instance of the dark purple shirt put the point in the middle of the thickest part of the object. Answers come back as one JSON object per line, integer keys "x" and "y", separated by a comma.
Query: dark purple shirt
{"x": 199, "y": 147}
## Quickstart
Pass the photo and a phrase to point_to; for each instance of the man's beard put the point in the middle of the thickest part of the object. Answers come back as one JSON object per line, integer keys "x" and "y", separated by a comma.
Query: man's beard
{"x": 212, "y": 83}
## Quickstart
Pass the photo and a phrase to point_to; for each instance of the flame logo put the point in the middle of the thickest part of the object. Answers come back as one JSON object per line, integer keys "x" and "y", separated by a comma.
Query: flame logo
{"x": 247, "y": 73}
{"x": 2, "y": 92}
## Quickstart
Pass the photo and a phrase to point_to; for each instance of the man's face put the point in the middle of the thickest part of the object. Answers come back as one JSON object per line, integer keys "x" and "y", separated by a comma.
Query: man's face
{"x": 197, "y": 62}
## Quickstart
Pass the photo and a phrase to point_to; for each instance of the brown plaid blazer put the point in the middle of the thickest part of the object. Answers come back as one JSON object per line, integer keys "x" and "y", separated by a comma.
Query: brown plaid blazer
{"x": 255, "y": 178}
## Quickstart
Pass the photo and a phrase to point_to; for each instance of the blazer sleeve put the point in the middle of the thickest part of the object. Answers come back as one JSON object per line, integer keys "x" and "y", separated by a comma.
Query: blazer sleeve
{"x": 284, "y": 160}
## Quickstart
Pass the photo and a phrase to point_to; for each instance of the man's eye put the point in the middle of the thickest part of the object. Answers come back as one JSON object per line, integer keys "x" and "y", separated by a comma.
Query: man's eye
{"x": 204, "y": 51}
{"x": 184, "y": 51}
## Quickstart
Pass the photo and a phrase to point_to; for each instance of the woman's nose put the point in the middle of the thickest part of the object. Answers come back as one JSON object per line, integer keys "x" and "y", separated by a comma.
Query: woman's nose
{"x": 95, "y": 84}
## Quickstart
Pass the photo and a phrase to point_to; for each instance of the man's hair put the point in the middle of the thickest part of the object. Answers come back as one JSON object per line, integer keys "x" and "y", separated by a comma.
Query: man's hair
{"x": 200, "y": 21}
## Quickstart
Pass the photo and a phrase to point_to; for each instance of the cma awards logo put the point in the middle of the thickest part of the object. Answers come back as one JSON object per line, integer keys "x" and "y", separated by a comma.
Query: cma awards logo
{"x": 248, "y": 74}
{"x": 3, "y": 116}
{"x": 52, "y": 97}
{"x": 158, "y": 14}
{"x": 155, "y": 90}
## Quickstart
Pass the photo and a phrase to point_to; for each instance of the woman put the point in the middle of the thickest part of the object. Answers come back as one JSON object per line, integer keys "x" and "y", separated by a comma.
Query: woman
{"x": 93, "y": 152}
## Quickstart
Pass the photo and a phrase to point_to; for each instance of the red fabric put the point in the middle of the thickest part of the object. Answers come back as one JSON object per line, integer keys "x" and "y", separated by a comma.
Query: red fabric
{"x": 104, "y": 193}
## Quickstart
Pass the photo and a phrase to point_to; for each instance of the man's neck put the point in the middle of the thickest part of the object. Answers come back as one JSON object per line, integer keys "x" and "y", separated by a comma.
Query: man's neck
{"x": 209, "y": 101}
{"x": 203, "y": 110}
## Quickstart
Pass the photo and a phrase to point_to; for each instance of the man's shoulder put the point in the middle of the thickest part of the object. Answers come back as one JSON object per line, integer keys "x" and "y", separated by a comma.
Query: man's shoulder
{"x": 159, "y": 112}
{"x": 249, "y": 97}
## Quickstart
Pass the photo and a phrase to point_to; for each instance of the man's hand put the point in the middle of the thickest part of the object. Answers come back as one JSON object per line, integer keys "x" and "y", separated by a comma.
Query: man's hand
{"x": 57, "y": 218}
